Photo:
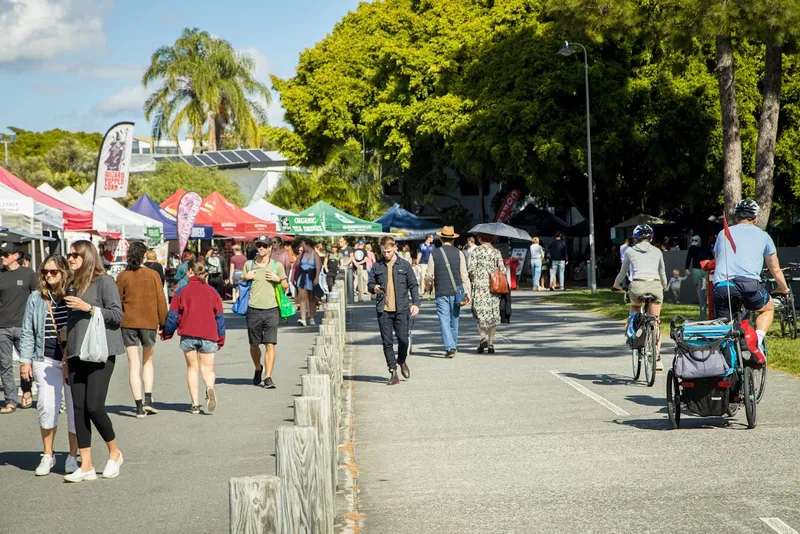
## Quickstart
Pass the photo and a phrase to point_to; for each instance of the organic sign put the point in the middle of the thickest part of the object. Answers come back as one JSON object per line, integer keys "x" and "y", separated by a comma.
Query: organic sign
{"x": 301, "y": 225}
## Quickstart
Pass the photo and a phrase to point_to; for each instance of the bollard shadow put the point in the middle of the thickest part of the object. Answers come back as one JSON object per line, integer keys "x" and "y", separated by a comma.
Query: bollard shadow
{"x": 24, "y": 460}
{"x": 367, "y": 378}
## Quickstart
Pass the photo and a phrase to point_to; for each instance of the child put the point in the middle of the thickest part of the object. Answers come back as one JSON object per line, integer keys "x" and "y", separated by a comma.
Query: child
{"x": 196, "y": 313}
{"x": 674, "y": 285}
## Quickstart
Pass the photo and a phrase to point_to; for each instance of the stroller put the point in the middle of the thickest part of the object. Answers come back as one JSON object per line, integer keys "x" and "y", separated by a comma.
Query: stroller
{"x": 708, "y": 376}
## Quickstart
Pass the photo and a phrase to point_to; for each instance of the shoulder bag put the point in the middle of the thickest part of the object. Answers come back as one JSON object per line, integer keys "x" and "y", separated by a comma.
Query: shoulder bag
{"x": 94, "y": 347}
{"x": 498, "y": 283}
{"x": 461, "y": 294}
{"x": 242, "y": 303}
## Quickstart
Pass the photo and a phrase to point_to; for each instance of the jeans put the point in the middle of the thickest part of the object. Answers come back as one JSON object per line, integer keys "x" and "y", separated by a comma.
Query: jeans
{"x": 448, "y": 311}
{"x": 536, "y": 271}
{"x": 9, "y": 340}
{"x": 558, "y": 266}
{"x": 391, "y": 324}
{"x": 203, "y": 346}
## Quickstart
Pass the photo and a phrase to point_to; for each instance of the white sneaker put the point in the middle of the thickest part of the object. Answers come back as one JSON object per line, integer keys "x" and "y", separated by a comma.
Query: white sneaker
{"x": 47, "y": 463}
{"x": 81, "y": 475}
{"x": 301, "y": 322}
{"x": 659, "y": 365}
{"x": 112, "y": 468}
{"x": 71, "y": 465}
{"x": 312, "y": 322}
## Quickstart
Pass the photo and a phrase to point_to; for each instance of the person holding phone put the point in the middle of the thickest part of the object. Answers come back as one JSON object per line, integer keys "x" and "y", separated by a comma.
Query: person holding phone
{"x": 43, "y": 358}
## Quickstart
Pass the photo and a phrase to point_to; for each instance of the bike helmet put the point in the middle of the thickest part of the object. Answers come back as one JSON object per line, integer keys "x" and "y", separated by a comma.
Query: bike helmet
{"x": 746, "y": 209}
{"x": 643, "y": 231}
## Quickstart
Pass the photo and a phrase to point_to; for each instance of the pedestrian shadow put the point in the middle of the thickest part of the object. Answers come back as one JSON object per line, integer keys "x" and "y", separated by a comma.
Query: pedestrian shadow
{"x": 366, "y": 378}
{"x": 606, "y": 380}
{"x": 130, "y": 411}
{"x": 234, "y": 381}
{"x": 23, "y": 460}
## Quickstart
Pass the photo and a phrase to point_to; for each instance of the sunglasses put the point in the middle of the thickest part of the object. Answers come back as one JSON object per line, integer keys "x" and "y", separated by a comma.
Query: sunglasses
{"x": 262, "y": 245}
{"x": 74, "y": 255}
{"x": 51, "y": 272}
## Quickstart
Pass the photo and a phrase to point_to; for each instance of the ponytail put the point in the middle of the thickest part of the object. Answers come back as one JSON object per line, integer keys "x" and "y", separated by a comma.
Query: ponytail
{"x": 198, "y": 269}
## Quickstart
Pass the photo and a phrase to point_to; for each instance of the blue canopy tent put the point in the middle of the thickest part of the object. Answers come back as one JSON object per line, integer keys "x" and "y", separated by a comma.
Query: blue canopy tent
{"x": 405, "y": 224}
{"x": 149, "y": 208}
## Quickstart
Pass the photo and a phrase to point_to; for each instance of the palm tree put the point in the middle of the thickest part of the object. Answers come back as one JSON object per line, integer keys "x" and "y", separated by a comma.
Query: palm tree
{"x": 204, "y": 81}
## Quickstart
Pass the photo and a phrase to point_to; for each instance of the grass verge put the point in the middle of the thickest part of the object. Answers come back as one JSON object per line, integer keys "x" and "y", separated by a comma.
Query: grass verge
{"x": 783, "y": 352}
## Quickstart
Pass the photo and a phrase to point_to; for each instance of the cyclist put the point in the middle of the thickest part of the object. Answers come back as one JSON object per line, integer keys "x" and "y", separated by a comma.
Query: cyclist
{"x": 738, "y": 275}
{"x": 647, "y": 274}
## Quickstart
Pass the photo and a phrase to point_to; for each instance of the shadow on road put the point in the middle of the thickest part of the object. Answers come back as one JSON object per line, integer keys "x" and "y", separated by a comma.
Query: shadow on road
{"x": 27, "y": 460}
{"x": 367, "y": 378}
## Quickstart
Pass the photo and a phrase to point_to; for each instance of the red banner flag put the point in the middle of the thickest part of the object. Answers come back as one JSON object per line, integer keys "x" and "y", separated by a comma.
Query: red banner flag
{"x": 506, "y": 208}
{"x": 727, "y": 231}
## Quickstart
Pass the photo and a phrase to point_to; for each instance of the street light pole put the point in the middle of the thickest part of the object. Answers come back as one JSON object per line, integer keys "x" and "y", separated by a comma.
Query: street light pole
{"x": 568, "y": 50}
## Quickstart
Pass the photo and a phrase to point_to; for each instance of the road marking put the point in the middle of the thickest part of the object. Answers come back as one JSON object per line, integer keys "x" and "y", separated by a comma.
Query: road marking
{"x": 778, "y": 526}
{"x": 592, "y": 395}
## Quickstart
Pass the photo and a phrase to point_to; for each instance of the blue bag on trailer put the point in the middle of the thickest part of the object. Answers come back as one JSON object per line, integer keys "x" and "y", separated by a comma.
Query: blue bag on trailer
{"x": 703, "y": 349}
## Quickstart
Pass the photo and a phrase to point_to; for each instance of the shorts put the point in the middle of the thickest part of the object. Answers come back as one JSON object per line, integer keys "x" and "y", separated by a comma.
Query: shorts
{"x": 753, "y": 294}
{"x": 204, "y": 346}
{"x": 237, "y": 277}
{"x": 645, "y": 287}
{"x": 133, "y": 337}
{"x": 262, "y": 326}
{"x": 698, "y": 275}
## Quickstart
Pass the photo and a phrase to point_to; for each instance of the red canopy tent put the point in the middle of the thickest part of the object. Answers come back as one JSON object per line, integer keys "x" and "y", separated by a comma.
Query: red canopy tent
{"x": 74, "y": 219}
{"x": 227, "y": 219}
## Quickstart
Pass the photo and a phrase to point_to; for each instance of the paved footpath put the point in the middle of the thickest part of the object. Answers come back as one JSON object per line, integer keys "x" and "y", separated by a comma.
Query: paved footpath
{"x": 177, "y": 465}
{"x": 551, "y": 435}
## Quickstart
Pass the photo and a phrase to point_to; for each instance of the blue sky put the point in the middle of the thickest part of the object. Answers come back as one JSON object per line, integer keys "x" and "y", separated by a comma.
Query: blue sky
{"x": 77, "y": 64}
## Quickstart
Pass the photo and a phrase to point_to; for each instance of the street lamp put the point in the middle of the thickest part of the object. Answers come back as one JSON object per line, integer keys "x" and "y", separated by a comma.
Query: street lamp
{"x": 5, "y": 139}
{"x": 567, "y": 50}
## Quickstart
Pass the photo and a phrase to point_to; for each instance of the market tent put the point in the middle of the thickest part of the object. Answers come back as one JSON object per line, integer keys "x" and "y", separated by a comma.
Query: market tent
{"x": 128, "y": 215}
{"x": 74, "y": 219}
{"x": 337, "y": 222}
{"x": 266, "y": 211}
{"x": 12, "y": 201}
{"x": 171, "y": 204}
{"x": 409, "y": 226}
{"x": 149, "y": 208}
{"x": 642, "y": 218}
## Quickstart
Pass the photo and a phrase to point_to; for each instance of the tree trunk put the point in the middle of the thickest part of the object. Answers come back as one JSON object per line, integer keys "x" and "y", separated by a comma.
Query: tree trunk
{"x": 212, "y": 132}
{"x": 732, "y": 143}
{"x": 768, "y": 131}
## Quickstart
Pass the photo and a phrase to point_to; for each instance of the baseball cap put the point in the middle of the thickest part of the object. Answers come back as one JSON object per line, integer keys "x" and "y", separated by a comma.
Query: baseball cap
{"x": 696, "y": 238}
{"x": 361, "y": 242}
{"x": 262, "y": 239}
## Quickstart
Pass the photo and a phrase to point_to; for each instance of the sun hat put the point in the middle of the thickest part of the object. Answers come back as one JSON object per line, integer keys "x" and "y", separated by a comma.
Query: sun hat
{"x": 448, "y": 232}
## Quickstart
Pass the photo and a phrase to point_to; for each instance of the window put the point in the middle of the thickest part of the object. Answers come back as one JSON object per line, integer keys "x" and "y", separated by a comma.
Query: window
{"x": 145, "y": 149}
{"x": 136, "y": 146}
{"x": 167, "y": 150}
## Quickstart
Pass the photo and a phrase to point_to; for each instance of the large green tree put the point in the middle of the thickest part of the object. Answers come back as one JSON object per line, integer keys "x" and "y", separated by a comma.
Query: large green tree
{"x": 66, "y": 162}
{"x": 204, "y": 81}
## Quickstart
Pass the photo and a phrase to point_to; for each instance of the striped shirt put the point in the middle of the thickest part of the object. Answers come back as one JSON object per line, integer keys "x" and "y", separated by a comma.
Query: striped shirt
{"x": 52, "y": 348}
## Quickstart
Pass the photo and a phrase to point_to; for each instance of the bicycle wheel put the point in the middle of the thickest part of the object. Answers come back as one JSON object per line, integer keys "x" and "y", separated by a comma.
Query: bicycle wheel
{"x": 636, "y": 360}
{"x": 791, "y": 315}
{"x": 750, "y": 403}
{"x": 673, "y": 400}
{"x": 650, "y": 354}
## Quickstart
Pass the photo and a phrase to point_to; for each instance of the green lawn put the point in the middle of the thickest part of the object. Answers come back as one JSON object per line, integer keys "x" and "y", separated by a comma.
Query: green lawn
{"x": 784, "y": 353}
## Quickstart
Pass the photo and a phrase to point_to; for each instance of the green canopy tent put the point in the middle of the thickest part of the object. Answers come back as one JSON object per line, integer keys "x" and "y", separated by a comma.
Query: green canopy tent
{"x": 331, "y": 222}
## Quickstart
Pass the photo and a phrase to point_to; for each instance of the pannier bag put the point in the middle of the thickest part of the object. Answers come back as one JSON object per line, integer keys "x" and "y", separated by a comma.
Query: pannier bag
{"x": 703, "y": 349}
{"x": 635, "y": 332}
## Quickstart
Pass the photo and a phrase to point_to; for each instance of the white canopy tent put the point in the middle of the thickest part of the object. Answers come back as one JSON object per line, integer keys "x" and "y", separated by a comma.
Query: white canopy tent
{"x": 12, "y": 201}
{"x": 115, "y": 207}
{"x": 266, "y": 211}
{"x": 112, "y": 217}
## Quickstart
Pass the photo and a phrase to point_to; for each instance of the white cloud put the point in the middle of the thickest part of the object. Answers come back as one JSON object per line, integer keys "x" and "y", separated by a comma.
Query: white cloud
{"x": 262, "y": 71}
{"x": 127, "y": 100}
{"x": 36, "y": 30}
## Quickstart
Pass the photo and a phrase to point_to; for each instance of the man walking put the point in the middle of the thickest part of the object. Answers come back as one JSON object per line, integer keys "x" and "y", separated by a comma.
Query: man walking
{"x": 16, "y": 284}
{"x": 263, "y": 313}
{"x": 560, "y": 258}
{"x": 469, "y": 248}
{"x": 392, "y": 279}
{"x": 447, "y": 268}
{"x": 694, "y": 257}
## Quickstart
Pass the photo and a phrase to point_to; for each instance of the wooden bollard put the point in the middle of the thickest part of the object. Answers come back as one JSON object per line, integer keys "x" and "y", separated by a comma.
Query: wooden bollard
{"x": 253, "y": 503}
{"x": 317, "y": 365}
{"x": 320, "y": 386}
{"x": 308, "y": 411}
{"x": 298, "y": 467}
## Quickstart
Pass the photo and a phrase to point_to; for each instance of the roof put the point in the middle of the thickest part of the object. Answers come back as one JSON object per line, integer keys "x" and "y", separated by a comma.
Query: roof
{"x": 398, "y": 218}
{"x": 149, "y": 208}
{"x": 642, "y": 218}
{"x": 337, "y": 221}
{"x": 225, "y": 217}
{"x": 265, "y": 210}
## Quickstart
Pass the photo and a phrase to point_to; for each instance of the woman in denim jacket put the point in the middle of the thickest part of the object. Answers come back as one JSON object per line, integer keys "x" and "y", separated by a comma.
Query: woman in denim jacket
{"x": 42, "y": 355}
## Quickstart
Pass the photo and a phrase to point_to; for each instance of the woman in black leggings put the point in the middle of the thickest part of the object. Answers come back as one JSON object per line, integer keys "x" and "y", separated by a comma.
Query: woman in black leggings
{"x": 92, "y": 291}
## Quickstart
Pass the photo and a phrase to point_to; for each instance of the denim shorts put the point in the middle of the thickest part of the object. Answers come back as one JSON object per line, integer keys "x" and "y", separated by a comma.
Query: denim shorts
{"x": 200, "y": 345}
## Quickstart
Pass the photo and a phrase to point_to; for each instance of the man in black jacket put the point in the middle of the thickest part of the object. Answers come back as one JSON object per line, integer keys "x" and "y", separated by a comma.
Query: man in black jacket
{"x": 559, "y": 255}
{"x": 391, "y": 279}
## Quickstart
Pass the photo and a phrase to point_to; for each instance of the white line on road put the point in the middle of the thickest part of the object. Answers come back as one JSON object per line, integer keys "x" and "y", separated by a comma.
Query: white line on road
{"x": 592, "y": 395}
{"x": 778, "y": 526}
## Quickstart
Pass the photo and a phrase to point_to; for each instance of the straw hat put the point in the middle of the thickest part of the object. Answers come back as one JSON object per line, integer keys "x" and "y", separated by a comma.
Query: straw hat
{"x": 448, "y": 232}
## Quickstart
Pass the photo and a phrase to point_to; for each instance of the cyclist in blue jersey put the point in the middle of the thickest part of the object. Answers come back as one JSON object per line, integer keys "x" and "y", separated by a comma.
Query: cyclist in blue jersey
{"x": 738, "y": 275}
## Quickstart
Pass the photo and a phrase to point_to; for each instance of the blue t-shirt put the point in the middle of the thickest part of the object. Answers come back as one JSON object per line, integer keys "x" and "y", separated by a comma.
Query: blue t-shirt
{"x": 752, "y": 244}
{"x": 425, "y": 252}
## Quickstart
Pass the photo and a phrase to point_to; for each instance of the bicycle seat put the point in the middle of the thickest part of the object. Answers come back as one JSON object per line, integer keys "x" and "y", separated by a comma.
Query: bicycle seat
{"x": 647, "y": 298}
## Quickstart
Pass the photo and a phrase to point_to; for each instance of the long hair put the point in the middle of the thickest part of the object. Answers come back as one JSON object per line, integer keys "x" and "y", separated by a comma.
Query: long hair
{"x": 187, "y": 256}
{"x": 136, "y": 254}
{"x": 198, "y": 268}
{"x": 92, "y": 267}
{"x": 60, "y": 290}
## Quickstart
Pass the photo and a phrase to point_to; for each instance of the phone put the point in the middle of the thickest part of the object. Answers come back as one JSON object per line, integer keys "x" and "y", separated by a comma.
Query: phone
{"x": 72, "y": 292}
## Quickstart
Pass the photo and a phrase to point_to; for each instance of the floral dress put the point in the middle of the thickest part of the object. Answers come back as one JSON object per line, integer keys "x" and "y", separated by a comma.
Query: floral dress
{"x": 483, "y": 261}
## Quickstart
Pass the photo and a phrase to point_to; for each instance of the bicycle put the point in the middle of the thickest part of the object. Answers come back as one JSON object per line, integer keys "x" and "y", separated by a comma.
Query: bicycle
{"x": 784, "y": 302}
{"x": 644, "y": 342}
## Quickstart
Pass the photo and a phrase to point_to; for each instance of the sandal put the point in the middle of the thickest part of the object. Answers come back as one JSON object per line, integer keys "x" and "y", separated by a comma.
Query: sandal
{"x": 8, "y": 408}
{"x": 483, "y": 346}
{"x": 26, "y": 406}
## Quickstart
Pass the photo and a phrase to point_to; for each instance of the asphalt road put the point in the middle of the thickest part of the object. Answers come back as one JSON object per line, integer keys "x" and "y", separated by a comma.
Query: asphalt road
{"x": 551, "y": 435}
{"x": 177, "y": 465}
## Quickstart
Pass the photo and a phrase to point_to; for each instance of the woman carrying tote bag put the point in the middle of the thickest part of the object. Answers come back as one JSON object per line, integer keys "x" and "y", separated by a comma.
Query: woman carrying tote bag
{"x": 92, "y": 291}
{"x": 484, "y": 261}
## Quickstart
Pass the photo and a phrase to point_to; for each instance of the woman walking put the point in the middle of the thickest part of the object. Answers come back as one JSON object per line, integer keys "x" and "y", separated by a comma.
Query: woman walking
{"x": 43, "y": 358}
{"x": 151, "y": 262}
{"x": 144, "y": 311}
{"x": 332, "y": 262}
{"x": 181, "y": 274}
{"x": 217, "y": 271}
{"x": 310, "y": 268}
{"x": 95, "y": 292}
{"x": 483, "y": 261}
{"x": 537, "y": 256}
{"x": 196, "y": 313}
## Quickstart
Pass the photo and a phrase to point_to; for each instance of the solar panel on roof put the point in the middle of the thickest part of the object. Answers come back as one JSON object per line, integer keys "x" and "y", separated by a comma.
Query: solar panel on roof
{"x": 260, "y": 156}
{"x": 205, "y": 160}
{"x": 175, "y": 159}
{"x": 247, "y": 156}
{"x": 193, "y": 161}
{"x": 217, "y": 158}
{"x": 231, "y": 155}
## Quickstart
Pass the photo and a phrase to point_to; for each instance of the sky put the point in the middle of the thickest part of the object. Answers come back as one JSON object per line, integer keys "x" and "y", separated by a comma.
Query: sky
{"x": 77, "y": 64}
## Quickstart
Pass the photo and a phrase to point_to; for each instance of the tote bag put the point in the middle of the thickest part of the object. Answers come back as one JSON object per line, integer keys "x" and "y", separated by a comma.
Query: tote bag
{"x": 94, "y": 347}
{"x": 243, "y": 300}
{"x": 286, "y": 306}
